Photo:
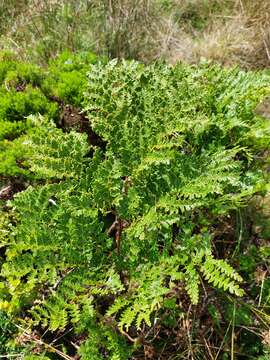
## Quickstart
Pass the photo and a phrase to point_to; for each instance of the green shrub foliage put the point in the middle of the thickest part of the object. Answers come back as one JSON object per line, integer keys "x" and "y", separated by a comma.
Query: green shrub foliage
{"x": 27, "y": 89}
{"x": 110, "y": 236}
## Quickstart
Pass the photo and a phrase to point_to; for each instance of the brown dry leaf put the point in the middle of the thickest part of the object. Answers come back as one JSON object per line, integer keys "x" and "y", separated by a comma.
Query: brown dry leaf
{"x": 260, "y": 275}
{"x": 149, "y": 352}
{"x": 266, "y": 337}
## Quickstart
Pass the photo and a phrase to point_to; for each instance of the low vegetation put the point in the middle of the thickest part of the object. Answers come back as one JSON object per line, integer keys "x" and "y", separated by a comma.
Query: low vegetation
{"x": 134, "y": 179}
{"x": 225, "y": 31}
{"x": 134, "y": 219}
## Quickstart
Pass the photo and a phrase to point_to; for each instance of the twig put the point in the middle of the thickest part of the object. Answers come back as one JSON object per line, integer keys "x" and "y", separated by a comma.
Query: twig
{"x": 129, "y": 337}
{"x": 223, "y": 341}
{"x": 266, "y": 49}
{"x": 232, "y": 338}
{"x": 118, "y": 235}
{"x": 242, "y": 6}
{"x": 190, "y": 350}
{"x": 75, "y": 345}
{"x": 6, "y": 190}
{"x": 261, "y": 291}
{"x": 38, "y": 341}
{"x": 61, "y": 279}
{"x": 61, "y": 336}
{"x": 208, "y": 348}
{"x": 112, "y": 227}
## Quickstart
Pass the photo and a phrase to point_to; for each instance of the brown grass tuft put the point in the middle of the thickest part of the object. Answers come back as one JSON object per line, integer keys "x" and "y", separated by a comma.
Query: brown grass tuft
{"x": 240, "y": 35}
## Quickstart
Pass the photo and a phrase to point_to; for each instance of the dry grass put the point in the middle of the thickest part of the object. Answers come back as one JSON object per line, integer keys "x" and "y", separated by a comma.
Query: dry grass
{"x": 226, "y": 31}
{"x": 116, "y": 28}
{"x": 240, "y": 36}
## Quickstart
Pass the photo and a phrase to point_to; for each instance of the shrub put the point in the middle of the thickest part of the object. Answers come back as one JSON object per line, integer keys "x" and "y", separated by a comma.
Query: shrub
{"x": 15, "y": 106}
{"x": 7, "y": 330}
{"x": 67, "y": 81}
{"x": 116, "y": 243}
{"x": 27, "y": 89}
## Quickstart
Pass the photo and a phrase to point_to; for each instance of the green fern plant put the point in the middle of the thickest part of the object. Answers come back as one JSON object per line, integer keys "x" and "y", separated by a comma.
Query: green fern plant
{"x": 108, "y": 233}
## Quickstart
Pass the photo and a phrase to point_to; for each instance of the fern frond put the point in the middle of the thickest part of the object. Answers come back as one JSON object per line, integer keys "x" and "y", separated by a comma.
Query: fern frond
{"x": 222, "y": 275}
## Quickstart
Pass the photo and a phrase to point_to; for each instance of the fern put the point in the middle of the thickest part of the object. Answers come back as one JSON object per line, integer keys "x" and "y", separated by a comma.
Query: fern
{"x": 192, "y": 281}
{"x": 222, "y": 275}
{"x": 105, "y": 235}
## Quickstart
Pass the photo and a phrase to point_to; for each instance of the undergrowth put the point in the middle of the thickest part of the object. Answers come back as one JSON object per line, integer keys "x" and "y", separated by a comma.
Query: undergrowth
{"x": 225, "y": 31}
{"x": 28, "y": 89}
{"x": 142, "y": 234}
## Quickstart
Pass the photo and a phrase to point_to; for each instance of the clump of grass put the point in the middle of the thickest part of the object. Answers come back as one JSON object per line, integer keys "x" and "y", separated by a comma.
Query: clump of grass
{"x": 42, "y": 30}
{"x": 122, "y": 28}
{"x": 235, "y": 33}
{"x": 225, "y": 31}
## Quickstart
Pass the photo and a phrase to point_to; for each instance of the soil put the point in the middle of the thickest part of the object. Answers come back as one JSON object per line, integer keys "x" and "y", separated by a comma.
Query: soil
{"x": 11, "y": 187}
{"x": 72, "y": 118}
